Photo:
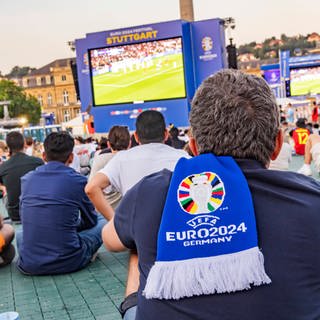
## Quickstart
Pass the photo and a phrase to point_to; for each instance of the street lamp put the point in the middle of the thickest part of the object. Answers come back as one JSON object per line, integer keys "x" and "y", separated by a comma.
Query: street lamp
{"x": 72, "y": 45}
{"x": 230, "y": 25}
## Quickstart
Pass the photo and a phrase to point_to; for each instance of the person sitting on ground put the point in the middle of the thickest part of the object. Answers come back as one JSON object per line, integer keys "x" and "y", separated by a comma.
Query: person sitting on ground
{"x": 61, "y": 231}
{"x": 7, "y": 251}
{"x": 312, "y": 152}
{"x": 174, "y": 137}
{"x": 3, "y": 151}
{"x": 118, "y": 139}
{"x": 300, "y": 136}
{"x": 227, "y": 238}
{"x": 29, "y": 146}
{"x": 128, "y": 167}
{"x": 82, "y": 154}
{"x": 13, "y": 169}
{"x": 284, "y": 158}
{"x": 316, "y": 129}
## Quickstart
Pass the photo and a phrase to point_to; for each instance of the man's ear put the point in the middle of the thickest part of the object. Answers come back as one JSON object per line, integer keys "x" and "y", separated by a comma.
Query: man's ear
{"x": 278, "y": 145}
{"x": 44, "y": 157}
{"x": 70, "y": 159}
{"x": 136, "y": 137}
{"x": 193, "y": 146}
{"x": 166, "y": 135}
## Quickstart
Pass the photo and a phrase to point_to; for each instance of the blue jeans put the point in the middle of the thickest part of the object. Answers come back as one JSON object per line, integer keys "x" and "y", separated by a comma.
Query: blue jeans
{"x": 91, "y": 239}
{"x": 130, "y": 314}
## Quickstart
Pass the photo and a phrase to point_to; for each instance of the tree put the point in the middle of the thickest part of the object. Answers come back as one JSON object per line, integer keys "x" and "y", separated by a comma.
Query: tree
{"x": 21, "y": 105}
{"x": 19, "y": 72}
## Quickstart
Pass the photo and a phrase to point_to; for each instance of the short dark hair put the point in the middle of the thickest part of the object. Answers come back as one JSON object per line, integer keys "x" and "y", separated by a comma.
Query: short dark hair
{"x": 15, "y": 141}
{"x": 150, "y": 127}
{"x": 58, "y": 146}
{"x": 301, "y": 123}
{"x": 119, "y": 138}
{"x": 29, "y": 141}
{"x": 174, "y": 132}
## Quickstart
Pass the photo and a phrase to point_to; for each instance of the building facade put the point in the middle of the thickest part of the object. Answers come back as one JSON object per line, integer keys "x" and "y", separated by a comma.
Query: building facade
{"x": 54, "y": 87}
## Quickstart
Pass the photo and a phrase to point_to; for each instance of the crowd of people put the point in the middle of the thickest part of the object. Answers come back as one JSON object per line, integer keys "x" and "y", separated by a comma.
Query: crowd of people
{"x": 136, "y": 56}
{"x": 212, "y": 232}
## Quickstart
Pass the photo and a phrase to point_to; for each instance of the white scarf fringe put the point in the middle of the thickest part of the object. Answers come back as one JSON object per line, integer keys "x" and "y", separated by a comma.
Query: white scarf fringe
{"x": 194, "y": 277}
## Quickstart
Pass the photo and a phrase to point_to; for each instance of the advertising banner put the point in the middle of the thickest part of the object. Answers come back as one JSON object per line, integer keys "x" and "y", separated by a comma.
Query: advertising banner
{"x": 272, "y": 76}
{"x": 284, "y": 65}
{"x": 208, "y": 48}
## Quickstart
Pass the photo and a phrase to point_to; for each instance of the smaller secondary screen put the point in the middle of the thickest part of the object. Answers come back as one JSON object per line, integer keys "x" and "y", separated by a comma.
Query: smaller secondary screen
{"x": 137, "y": 72}
{"x": 272, "y": 76}
{"x": 305, "y": 81}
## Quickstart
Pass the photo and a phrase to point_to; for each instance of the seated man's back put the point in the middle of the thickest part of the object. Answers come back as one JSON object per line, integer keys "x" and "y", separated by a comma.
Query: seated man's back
{"x": 54, "y": 209}
{"x": 129, "y": 166}
{"x": 201, "y": 268}
{"x": 288, "y": 238}
{"x": 13, "y": 169}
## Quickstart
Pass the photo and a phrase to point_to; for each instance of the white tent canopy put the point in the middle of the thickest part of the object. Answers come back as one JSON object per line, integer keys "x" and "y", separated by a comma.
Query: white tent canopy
{"x": 76, "y": 124}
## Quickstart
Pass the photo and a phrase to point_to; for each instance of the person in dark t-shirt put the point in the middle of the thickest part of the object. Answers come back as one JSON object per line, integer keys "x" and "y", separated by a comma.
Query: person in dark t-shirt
{"x": 286, "y": 207}
{"x": 61, "y": 230}
{"x": 13, "y": 169}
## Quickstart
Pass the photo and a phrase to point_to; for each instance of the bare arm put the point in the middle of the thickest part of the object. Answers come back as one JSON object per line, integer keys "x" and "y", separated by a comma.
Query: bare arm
{"x": 113, "y": 243}
{"x": 94, "y": 190}
{"x": 111, "y": 239}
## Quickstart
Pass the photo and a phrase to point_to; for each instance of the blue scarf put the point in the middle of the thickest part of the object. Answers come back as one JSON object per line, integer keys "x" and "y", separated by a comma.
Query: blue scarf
{"x": 207, "y": 240}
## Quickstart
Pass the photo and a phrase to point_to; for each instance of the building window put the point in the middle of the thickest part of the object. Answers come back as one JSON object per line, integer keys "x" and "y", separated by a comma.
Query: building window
{"x": 63, "y": 77}
{"x": 49, "y": 99}
{"x": 78, "y": 112}
{"x": 40, "y": 99}
{"x": 65, "y": 96}
{"x": 43, "y": 81}
{"x": 66, "y": 115}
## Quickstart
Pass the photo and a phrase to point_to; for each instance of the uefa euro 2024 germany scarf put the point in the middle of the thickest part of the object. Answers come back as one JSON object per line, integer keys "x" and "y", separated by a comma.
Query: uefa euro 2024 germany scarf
{"x": 207, "y": 240}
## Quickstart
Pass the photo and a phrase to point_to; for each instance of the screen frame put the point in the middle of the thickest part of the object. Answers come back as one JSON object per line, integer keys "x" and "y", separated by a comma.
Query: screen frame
{"x": 136, "y": 102}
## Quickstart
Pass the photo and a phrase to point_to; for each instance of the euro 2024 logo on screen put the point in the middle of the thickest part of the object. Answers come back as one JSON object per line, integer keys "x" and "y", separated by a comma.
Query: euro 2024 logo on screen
{"x": 200, "y": 194}
{"x": 207, "y": 44}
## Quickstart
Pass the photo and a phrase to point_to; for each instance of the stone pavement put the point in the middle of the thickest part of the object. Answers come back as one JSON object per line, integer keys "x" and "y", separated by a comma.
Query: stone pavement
{"x": 92, "y": 293}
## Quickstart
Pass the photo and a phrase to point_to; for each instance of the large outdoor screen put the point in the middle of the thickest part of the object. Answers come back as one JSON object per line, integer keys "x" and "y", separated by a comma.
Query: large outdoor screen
{"x": 305, "y": 81}
{"x": 137, "y": 72}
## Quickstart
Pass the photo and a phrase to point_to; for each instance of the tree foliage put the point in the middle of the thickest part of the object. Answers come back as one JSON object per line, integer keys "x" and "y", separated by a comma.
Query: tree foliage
{"x": 21, "y": 105}
{"x": 272, "y": 44}
{"x": 19, "y": 72}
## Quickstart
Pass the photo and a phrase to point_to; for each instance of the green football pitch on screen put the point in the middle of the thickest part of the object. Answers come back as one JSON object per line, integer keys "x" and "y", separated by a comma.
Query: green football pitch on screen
{"x": 162, "y": 78}
{"x": 299, "y": 88}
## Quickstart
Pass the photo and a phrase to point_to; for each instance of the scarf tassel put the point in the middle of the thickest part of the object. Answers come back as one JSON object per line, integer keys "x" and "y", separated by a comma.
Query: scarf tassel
{"x": 219, "y": 274}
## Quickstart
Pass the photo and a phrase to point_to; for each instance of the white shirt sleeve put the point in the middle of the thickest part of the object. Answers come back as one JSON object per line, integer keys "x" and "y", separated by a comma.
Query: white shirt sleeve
{"x": 112, "y": 171}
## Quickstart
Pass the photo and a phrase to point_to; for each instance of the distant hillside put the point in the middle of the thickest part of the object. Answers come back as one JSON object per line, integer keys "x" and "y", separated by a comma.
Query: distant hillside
{"x": 269, "y": 48}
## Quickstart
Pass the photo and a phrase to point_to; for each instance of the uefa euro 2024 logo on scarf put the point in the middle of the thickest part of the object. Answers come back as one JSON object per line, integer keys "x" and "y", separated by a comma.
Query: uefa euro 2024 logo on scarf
{"x": 199, "y": 194}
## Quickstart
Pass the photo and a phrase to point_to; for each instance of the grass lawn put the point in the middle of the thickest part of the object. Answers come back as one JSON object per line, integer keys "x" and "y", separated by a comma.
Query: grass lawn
{"x": 305, "y": 87}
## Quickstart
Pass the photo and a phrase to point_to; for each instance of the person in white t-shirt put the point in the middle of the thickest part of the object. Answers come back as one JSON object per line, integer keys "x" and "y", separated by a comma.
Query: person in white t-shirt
{"x": 118, "y": 139}
{"x": 312, "y": 153}
{"x": 284, "y": 157}
{"x": 28, "y": 146}
{"x": 128, "y": 167}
